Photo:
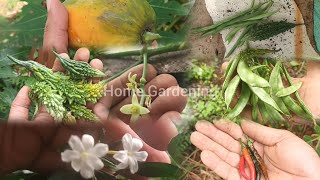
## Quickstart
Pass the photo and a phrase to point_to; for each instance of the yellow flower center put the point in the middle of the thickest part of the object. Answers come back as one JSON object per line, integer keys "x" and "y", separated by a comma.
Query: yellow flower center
{"x": 84, "y": 155}
{"x": 135, "y": 110}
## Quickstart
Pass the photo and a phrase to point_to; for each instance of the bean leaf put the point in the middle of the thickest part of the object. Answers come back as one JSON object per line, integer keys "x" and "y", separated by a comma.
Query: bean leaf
{"x": 289, "y": 90}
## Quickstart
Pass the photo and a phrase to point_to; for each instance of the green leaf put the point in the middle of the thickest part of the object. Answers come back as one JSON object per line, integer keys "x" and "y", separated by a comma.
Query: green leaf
{"x": 18, "y": 52}
{"x": 154, "y": 169}
{"x": 307, "y": 139}
{"x": 178, "y": 146}
{"x": 317, "y": 129}
{"x": 27, "y": 29}
{"x": 318, "y": 147}
{"x": 167, "y": 10}
{"x": 317, "y": 21}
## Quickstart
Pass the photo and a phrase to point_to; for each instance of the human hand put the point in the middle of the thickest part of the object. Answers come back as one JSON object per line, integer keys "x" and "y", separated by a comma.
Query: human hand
{"x": 55, "y": 33}
{"x": 285, "y": 155}
{"x": 47, "y": 138}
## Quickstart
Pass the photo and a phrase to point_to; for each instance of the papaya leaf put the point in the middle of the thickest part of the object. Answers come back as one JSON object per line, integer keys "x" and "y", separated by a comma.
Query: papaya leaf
{"x": 317, "y": 21}
{"x": 27, "y": 29}
{"x": 167, "y": 10}
{"x": 154, "y": 169}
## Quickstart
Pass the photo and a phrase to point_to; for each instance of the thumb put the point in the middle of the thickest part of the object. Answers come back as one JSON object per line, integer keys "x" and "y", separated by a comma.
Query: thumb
{"x": 19, "y": 111}
{"x": 262, "y": 134}
{"x": 56, "y": 32}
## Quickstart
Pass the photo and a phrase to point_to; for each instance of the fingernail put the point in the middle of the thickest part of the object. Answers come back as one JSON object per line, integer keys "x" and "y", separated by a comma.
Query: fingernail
{"x": 48, "y": 4}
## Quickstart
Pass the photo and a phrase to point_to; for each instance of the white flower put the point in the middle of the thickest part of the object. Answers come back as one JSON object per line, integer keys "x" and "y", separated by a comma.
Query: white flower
{"x": 84, "y": 156}
{"x": 130, "y": 155}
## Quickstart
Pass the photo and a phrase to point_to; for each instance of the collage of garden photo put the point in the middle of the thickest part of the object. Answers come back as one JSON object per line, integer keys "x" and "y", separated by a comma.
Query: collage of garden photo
{"x": 160, "y": 89}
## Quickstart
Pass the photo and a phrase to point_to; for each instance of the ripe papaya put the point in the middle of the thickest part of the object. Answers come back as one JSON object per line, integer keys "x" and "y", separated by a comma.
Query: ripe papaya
{"x": 107, "y": 24}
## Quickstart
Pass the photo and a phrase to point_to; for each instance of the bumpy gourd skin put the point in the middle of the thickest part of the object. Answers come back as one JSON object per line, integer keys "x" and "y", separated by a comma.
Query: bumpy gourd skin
{"x": 106, "y": 24}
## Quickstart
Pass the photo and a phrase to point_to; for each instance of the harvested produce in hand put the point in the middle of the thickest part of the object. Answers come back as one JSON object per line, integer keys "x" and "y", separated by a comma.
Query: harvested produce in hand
{"x": 248, "y": 160}
{"x": 262, "y": 86}
{"x": 100, "y": 24}
{"x": 260, "y": 165}
{"x": 64, "y": 96}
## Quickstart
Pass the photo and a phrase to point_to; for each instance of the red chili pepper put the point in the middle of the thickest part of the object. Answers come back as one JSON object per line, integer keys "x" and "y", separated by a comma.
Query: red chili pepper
{"x": 247, "y": 158}
{"x": 261, "y": 163}
{"x": 242, "y": 170}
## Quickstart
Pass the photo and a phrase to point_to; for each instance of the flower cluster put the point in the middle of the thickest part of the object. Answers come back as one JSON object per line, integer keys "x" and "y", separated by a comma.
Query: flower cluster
{"x": 136, "y": 108}
{"x": 86, "y": 157}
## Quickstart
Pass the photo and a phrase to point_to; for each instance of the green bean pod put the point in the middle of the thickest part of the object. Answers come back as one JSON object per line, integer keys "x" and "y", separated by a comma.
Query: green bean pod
{"x": 265, "y": 97}
{"x": 255, "y": 109}
{"x": 231, "y": 90}
{"x": 230, "y": 72}
{"x": 249, "y": 77}
{"x": 242, "y": 102}
{"x": 289, "y": 90}
{"x": 295, "y": 108}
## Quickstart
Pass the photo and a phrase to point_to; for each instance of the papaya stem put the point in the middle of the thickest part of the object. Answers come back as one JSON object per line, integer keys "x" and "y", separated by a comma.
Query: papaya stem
{"x": 123, "y": 71}
{"x": 143, "y": 79}
{"x": 151, "y": 51}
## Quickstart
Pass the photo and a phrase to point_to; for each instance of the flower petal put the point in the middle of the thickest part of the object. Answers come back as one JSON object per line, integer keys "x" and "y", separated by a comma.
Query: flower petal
{"x": 143, "y": 110}
{"x": 126, "y": 109}
{"x": 94, "y": 162}
{"x": 87, "y": 141}
{"x": 134, "y": 117}
{"x": 122, "y": 165}
{"x": 140, "y": 156}
{"x": 137, "y": 144}
{"x": 69, "y": 155}
{"x": 134, "y": 100}
{"x": 76, "y": 165}
{"x": 127, "y": 142}
{"x": 99, "y": 150}
{"x": 75, "y": 143}
{"x": 121, "y": 156}
{"x": 133, "y": 165}
{"x": 86, "y": 171}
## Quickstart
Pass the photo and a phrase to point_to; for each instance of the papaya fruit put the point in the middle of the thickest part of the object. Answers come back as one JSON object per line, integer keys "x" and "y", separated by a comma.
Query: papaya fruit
{"x": 109, "y": 24}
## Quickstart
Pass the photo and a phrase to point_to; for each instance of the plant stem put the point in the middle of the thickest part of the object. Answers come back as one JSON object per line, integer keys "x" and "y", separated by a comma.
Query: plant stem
{"x": 123, "y": 71}
{"x": 112, "y": 152}
{"x": 151, "y": 52}
{"x": 144, "y": 75}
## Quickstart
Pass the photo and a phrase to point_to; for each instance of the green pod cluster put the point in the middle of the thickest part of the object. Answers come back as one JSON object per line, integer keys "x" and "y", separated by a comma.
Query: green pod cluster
{"x": 78, "y": 69}
{"x": 64, "y": 97}
{"x": 262, "y": 87}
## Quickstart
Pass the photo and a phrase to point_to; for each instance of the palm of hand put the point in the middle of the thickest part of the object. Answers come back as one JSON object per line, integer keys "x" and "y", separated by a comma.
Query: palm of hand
{"x": 286, "y": 156}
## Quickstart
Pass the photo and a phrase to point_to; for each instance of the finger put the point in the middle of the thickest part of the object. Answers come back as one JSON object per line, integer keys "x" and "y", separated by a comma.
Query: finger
{"x": 57, "y": 66}
{"x": 204, "y": 143}
{"x": 165, "y": 126}
{"x": 218, "y": 136}
{"x": 56, "y": 33}
{"x": 172, "y": 99}
{"x": 19, "y": 111}
{"x": 82, "y": 54}
{"x": 97, "y": 64}
{"x": 224, "y": 66}
{"x": 156, "y": 86}
{"x": 220, "y": 167}
{"x": 262, "y": 134}
{"x": 62, "y": 136}
{"x": 116, "y": 89}
{"x": 229, "y": 128}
